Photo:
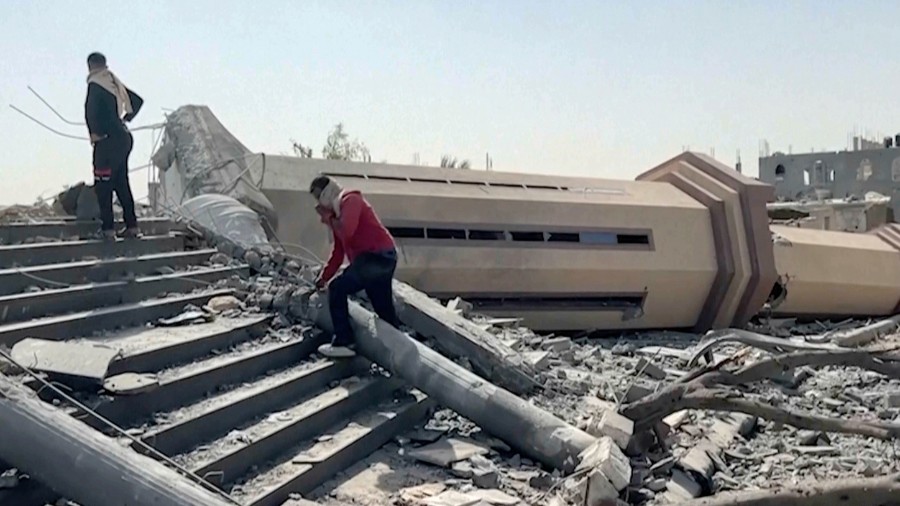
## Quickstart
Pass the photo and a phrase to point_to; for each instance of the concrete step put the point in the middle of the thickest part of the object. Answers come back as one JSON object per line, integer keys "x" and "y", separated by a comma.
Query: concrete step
{"x": 84, "y": 323}
{"x": 25, "y": 306}
{"x": 18, "y": 279}
{"x": 263, "y": 440}
{"x": 307, "y": 466}
{"x": 185, "y": 384}
{"x": 151, "y": 349}
{"x": 216, "y": 416}
{"x": 24, "y": 255}
{"x": 53, "y": 229}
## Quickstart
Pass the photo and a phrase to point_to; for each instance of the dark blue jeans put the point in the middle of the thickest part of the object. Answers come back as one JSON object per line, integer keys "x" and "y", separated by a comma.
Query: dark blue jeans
{"x": 372, "y": 272}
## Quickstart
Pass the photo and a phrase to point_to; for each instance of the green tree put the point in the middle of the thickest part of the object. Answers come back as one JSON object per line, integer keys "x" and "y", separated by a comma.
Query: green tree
{"x": 338, "y": 146}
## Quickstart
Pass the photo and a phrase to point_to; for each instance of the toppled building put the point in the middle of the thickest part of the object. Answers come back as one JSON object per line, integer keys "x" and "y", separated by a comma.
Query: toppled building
{"x": 686, "y": 245}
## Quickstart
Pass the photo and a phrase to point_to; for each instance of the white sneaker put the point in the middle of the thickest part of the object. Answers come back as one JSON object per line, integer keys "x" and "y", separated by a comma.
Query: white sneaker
{"x": 336, "y": 351}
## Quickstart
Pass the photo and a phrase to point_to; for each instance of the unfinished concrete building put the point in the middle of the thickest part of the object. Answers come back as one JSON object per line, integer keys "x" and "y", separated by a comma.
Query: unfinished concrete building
{"x": 868, "y": 167}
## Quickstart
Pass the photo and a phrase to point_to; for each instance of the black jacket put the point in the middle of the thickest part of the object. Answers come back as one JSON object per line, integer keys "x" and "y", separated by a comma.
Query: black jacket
{"x": 102, "y": 114}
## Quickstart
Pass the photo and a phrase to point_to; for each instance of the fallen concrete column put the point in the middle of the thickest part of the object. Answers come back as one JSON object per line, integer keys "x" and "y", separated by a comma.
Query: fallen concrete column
{"x": 458, "y": 337}
{"x": 82, "y": 464}
{"x": 837, "y": 274}
{"x": 530, "y": 430}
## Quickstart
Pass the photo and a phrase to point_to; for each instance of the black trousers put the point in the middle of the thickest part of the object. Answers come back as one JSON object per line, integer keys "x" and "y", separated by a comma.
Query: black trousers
{"x": 372, "y": 272}
{"x": 111, "y": 176}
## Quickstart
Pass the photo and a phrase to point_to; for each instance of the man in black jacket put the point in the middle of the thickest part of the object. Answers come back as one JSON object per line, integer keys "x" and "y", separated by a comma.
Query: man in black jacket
{"x": 108, "y": 107}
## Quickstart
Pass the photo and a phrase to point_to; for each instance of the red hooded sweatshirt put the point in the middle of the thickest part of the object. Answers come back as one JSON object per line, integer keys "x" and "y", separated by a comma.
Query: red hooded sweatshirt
{"x": 358, "y": 230}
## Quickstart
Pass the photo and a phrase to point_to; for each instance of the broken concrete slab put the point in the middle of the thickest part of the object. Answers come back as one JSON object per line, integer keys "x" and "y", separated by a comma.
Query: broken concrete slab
{"x": 447, "y": 451}
{"x": 682, "y": 487}
{"x": 556, "y": 344}
{"x": 130, "y": 383}
{"x": 539, "y": 360}
{"x": 79, "y": 362}
{"x": 451, "y": 498}
{"x": 605, "y": 455}
{"x": 613, "y": 425}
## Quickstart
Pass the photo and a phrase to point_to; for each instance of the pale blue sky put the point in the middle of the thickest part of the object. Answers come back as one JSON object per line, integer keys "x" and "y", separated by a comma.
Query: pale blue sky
{"x": 604, "y": 89}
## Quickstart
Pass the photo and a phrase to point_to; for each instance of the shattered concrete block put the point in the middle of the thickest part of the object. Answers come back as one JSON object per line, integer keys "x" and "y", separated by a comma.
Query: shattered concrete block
{"x": 676, "y": 419}
{"x": 485, "y": 478}
{"x": 649, "y": 369}
{"x": 615, "y": 426}
{"x": 682, "y": 486}
{"x": 459, "y": 306}
{"x": 447, "y": 451}
{"x": 606, "y": 456}
{"x": 539, "y": 360}
{"x": 556, "y": 344}
{"x": 600, "y": 490}
{"x": 698, "y": 460}
{"x": 223, "y": 303}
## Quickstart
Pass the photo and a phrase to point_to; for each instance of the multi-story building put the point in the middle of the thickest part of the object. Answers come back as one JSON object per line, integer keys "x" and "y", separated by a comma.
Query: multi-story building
{"x": 868, "y": 167}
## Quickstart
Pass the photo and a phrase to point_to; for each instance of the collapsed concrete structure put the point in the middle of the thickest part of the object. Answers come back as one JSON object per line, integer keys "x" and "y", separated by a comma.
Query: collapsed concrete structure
{"x": 686, "y": 245}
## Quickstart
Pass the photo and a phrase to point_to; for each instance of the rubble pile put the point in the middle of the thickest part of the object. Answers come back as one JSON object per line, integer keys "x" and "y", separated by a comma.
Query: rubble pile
{"x": 592, "y": 384}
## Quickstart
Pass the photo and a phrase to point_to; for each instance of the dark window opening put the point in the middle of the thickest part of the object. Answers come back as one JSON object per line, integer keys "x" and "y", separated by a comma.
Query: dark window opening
{"x": 445, "y": 233}
{"x": 633, "y": 239}
{"x": 586, "y": 239}
{"x": 597, "y": 302}
{"x": 407, "y": 232}
{"x": 527, "y": 236}
{"x": 541, "y": 187}
{"x": 389, "y": 178}
{"x": 506, "y": 185}
{"x": 427, "y": 180}
{"x": 779, "y": 172}
{"x": 470, "y": 183}
{"x": 563, "y": 237}
{"x": 486, "y": 235}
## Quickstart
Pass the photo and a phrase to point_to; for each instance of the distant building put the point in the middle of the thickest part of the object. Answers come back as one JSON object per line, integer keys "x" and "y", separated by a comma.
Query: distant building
{"x": 868, "y": 167}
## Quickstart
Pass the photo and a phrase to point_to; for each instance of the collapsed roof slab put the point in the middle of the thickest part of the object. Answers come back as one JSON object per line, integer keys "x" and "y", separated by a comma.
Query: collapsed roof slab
{"x": 837, "y": 274}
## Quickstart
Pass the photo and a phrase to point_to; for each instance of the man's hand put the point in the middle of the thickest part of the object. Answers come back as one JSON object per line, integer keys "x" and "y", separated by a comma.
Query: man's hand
{"x": 95, "y": 138}
{"x": 320, "y": 283}
{"x": 325, "y": 215}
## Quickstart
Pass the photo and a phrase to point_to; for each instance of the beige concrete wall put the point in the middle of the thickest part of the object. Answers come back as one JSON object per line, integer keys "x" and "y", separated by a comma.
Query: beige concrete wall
{"x": 676, "y": 273}
{"x": 836, "y": 273}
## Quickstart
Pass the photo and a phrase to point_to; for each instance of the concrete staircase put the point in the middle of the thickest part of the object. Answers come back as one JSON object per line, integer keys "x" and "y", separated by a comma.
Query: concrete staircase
{"x": 251, "y": 409}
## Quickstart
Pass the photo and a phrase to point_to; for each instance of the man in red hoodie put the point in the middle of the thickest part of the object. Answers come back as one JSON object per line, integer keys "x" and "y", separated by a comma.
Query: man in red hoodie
{"x": 359, "y": 235}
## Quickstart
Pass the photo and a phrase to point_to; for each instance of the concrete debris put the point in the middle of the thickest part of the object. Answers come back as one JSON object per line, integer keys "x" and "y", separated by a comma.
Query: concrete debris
{"x": 459, "y": 306}
{"x": 613, "y": 425}
{"x": 223, "y": 303}
{"x": 130, "y": 383}
{"x": 189, "y": 316}
{"x": 77, "y": 363}
{"x": 447, "y": 451}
